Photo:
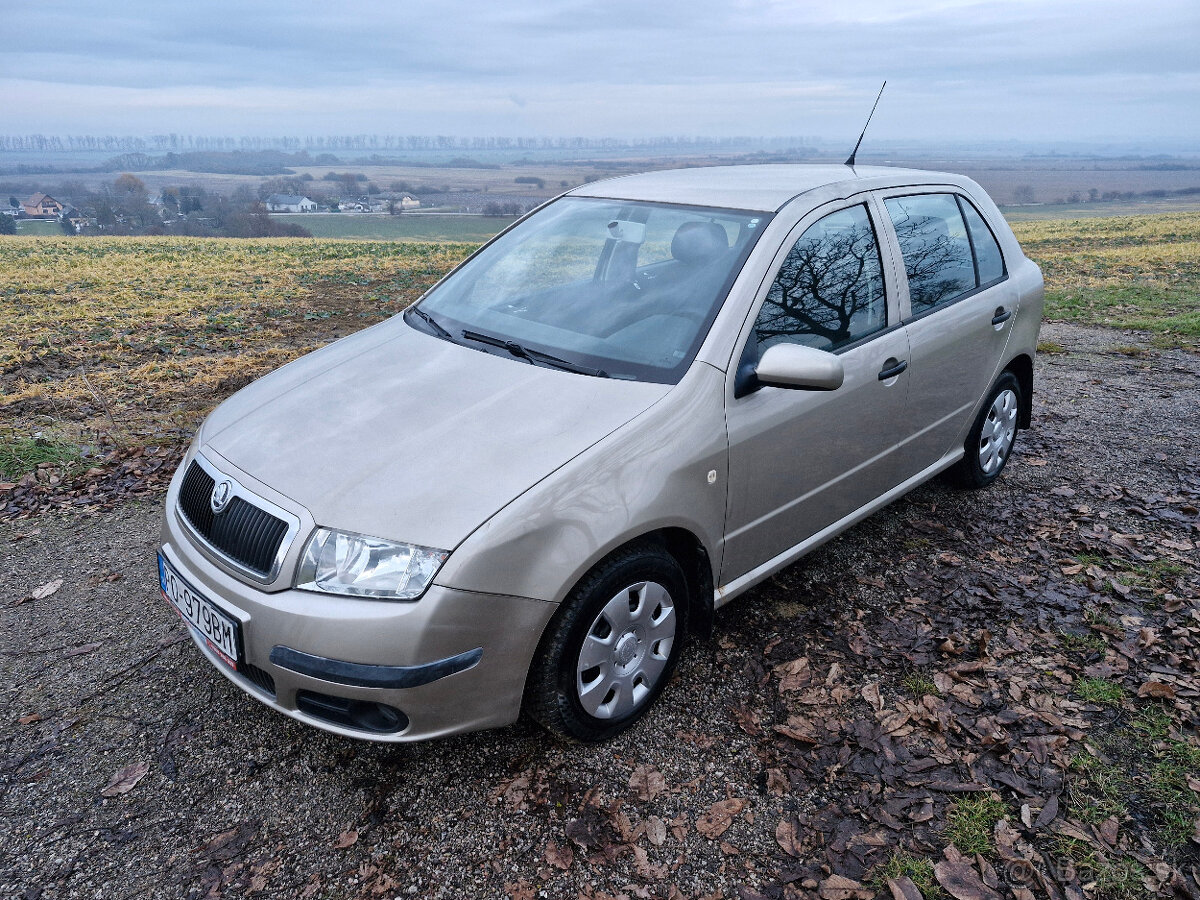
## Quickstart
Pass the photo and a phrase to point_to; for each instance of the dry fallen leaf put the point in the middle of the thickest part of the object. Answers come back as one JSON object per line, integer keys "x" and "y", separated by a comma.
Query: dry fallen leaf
{"x": 645, "y": 868}
{"x": 870, "y": 693}
{"x": 41, "y": 593}
{"x": 839, "y": 887}
{"x": 648, "y": 782}
{"x": 656, "y": 831}
{"x": 1157, "y": 691}
{"x": 346, "y": 839}
{"x": 560, "y": 856}
{"x": 124, "y": 780}
{"x": 1048, "y": 813}
{"x": 519, "y": 890}
{"x": 961, "y": 882}
{"x": 799, "y": 729}
{"x": 794, "y": 675}
{"x": 902, "y": 888}
{"x": 717, "y": 819}
{"x": 1109, "y": 829}
{"x": 777, "y": 782}
{"x": 787, "y": 835}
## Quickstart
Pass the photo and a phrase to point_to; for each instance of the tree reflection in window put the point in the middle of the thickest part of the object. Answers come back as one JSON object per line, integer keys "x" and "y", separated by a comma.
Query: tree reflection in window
{"x": 829, "y": 291}
{"x": 937, "y": 253}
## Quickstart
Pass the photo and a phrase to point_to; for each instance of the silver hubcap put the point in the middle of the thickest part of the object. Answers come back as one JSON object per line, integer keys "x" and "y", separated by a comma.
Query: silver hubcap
{"x": 999, "y": 430}
{"x": 626, "y": 650}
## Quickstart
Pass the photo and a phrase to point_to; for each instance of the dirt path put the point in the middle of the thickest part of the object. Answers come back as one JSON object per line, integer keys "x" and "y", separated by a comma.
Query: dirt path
{"x": 956, "y": 661}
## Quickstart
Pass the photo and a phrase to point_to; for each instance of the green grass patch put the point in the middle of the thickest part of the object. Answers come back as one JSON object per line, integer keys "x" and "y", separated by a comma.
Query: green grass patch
{"x": 1082, "y": 643}
{"x": 971, "y": 822}
{"x": 1131, "y": 350}
{"x": 21, "y": 455}
{"x": 1099, "y": 690}
{"x": 1097, "y": 789}
{"x": 1140, "y": 767}
{"x": 39, "y": 227}
{"x": 903, "y": 864}
{"x": 1151, "y": 725}
{"x": 1112, "y": 879}
{"x": 919, "y": 684}
{"x": 1097, "y": 619}
{"x": 1052, "y": 348}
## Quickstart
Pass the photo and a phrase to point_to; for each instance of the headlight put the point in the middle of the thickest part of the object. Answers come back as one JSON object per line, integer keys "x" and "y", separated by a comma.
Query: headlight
{"x": 340, "y": 562}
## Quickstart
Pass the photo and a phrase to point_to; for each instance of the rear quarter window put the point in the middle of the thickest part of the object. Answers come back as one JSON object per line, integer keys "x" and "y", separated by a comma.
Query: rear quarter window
{"x": 987, "y": 252}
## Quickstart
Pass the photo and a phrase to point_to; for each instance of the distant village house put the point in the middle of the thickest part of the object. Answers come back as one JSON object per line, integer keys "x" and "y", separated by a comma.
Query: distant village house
{"x": 42, "y": 205}
{"x": 79, "y": 220}
{"x": 290, "y": 203}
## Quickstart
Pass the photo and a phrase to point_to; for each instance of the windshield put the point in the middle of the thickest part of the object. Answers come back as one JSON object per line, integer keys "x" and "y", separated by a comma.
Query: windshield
{"x": 605, "y": 287}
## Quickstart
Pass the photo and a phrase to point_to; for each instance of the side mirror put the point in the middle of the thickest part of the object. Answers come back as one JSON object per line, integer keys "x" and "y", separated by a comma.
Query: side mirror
{"x": 796, "y": 366}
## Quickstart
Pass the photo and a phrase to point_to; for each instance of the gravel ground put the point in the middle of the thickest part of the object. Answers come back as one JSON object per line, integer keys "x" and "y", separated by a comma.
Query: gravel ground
{"x": 235, "y": 799}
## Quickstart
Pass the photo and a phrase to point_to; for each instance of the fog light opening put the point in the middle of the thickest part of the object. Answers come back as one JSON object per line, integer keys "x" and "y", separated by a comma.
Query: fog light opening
{"x": 362, "y": 715}
{"x": 376, "y": 716}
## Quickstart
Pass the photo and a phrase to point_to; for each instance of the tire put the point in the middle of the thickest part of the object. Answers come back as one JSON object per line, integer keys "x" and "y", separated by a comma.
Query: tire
{"x": 990, "y": 441}
{"x": 612, "y": 646}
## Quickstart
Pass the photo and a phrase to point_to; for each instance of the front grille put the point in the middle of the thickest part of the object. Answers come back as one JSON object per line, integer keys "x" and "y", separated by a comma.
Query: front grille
{"x": 258, "y": 677}
{"x": 246, "y": 534}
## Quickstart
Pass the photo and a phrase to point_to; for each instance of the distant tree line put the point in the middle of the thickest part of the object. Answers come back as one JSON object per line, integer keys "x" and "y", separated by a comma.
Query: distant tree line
{"x": 180, "y": 143}
{"x": 125, "y": 206}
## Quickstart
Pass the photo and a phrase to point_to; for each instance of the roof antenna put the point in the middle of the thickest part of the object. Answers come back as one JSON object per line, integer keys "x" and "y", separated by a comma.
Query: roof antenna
{"x": 854, "y": 152}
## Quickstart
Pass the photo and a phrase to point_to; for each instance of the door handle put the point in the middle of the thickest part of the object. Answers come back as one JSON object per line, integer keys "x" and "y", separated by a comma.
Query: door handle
{"x": 1002, "y": 315}
{"x": 892, "y": 368}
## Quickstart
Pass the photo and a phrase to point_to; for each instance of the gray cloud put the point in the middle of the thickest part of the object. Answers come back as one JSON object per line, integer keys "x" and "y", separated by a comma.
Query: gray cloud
{"x": 997, "y": 69}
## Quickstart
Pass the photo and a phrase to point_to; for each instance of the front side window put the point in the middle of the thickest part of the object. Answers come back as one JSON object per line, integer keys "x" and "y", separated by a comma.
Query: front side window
{"x": 620, "y": 288}
{"x": 944, "y": 257}
{"x": 829, "y": 291}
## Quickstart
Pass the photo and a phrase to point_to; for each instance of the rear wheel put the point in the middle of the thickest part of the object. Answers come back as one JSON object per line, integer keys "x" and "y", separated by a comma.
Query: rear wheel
{"x": 611, "y": 648}
{"x": 991, "y": 439}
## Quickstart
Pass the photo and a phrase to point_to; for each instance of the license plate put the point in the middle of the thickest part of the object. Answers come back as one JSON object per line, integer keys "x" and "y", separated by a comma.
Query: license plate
{"x": 221, "y": 632}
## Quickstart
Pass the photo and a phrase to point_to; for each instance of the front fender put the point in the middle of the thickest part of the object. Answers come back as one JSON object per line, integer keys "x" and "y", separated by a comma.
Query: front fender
{"x": 652, "y": 473}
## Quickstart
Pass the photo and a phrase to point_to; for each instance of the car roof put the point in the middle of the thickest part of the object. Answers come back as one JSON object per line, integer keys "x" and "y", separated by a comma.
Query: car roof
{"x": 765, "y": 188}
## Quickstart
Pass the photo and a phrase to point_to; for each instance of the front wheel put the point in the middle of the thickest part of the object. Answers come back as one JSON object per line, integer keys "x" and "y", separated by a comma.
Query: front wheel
{"x": 611, "y": 648}
{"x": 991, "y": 439}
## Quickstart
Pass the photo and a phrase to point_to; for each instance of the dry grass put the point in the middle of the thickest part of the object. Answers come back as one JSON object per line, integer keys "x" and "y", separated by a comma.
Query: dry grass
{"x": 136, "y": 336}
{"x": 1137, "y": 272}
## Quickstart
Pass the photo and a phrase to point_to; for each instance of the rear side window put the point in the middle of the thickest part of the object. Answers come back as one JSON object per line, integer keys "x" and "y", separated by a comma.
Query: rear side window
{"x": 829, "y": 291}
{"x": 987, "y": 251}
{"x": 936, "y": 249}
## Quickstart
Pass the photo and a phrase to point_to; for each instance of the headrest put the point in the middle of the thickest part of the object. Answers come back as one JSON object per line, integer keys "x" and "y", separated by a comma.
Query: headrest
{"x": 699, "y": 242}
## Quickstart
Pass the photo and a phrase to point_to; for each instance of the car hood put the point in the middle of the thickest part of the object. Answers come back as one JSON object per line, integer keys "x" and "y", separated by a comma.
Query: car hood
{"x": 401, "y": 435}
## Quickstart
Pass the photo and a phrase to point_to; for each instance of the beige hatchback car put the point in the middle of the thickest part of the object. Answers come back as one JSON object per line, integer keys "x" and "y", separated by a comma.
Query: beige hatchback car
{"x": 633, "y": 405}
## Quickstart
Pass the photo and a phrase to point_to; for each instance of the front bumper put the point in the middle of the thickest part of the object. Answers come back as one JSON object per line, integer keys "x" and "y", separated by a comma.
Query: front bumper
{"x": 451, "y": 661}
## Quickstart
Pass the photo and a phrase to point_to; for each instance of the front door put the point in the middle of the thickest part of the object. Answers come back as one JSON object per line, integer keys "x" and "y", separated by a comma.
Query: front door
{"x": 800, "y": 460}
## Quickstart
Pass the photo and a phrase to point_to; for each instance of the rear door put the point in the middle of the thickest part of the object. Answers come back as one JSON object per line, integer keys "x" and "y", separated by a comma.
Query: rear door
{"x": 800, "y": 460}
{"x": 958, "y": 312}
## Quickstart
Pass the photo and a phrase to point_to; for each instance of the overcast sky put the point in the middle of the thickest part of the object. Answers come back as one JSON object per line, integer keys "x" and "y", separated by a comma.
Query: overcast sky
{"x": 1070, "y": 70}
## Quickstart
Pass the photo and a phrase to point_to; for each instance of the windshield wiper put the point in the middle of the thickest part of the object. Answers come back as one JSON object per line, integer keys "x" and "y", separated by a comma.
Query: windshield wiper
{"x": 432, "y": 322}
{"x": 533, "y": 356}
